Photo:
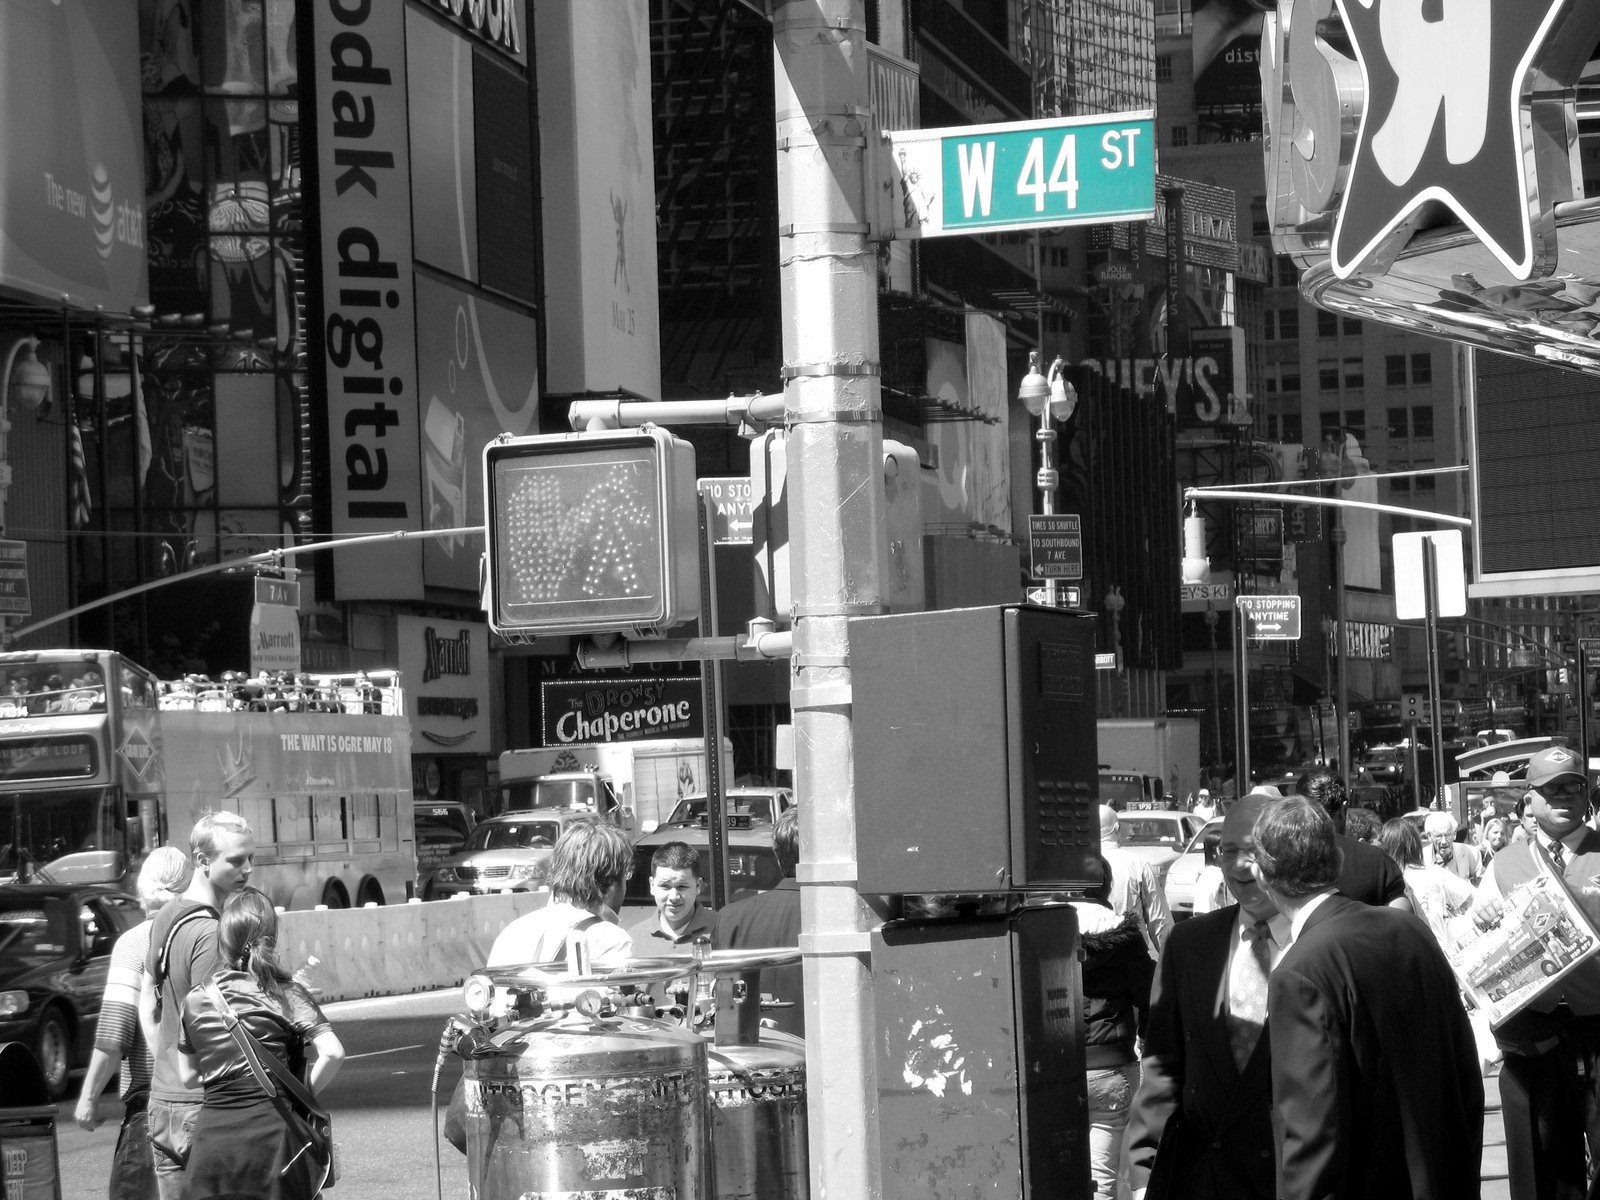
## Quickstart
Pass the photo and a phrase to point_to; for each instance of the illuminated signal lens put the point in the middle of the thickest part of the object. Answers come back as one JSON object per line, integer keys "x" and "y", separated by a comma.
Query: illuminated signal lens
{"x": 585, "y": 531}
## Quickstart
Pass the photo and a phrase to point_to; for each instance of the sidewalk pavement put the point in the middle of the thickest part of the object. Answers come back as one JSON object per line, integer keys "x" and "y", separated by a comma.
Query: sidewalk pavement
{"x": 1495, "y": 1184}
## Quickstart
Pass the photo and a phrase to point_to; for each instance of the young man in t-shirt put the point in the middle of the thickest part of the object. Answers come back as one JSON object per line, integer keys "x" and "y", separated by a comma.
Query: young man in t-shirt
{"x": 675, "y": 884}
{"x": 183, "y": 953}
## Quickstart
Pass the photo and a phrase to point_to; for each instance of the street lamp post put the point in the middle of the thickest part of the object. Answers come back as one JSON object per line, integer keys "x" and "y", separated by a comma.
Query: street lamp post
{"x": 1342, "y": 650}
{"x": 1216, "y": 690}
{"x": 1050, "y": 398}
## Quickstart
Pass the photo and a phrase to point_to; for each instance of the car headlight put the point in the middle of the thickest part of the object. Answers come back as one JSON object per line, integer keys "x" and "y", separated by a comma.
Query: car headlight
{"x": 13, "y": 1004}
{"x": 523, "y": 872}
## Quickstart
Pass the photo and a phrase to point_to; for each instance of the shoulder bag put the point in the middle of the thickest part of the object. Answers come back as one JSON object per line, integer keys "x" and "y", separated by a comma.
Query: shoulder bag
{"x": 309, "y": 1126}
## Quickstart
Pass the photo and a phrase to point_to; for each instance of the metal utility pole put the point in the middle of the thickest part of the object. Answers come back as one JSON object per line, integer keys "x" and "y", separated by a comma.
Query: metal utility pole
{"x": 1241, "y": 703}
{"x": 833, "y": 414}
{"x": 1430, "y": 591}
{"x": 1342, "y": 649}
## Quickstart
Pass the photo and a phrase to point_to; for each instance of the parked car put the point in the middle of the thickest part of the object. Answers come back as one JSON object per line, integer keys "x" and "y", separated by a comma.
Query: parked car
{"x": 510, "y": 852}
{"x": 1157, "y": 836}
{"x": 55, "y": 951}
{"x": 763, "y": 805}
{"x": 752, "y": 864}
{"x": 1190, "y": 867}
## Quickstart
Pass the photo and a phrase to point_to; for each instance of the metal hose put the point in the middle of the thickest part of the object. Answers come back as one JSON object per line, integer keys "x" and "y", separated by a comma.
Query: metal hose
{"x": 453, "y": 1029}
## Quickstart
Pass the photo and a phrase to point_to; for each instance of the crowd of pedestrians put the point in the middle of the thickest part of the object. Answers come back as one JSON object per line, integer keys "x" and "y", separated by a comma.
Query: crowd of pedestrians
{"x": 1305, "y": 1039}
{"x": 185, "y": 991}
{"x": 1308, "y": 1038}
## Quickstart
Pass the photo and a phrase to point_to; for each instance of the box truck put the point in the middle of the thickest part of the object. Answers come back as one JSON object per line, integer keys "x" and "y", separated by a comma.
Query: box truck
{"x": 635, "y": 784}
{"x": 1165, "y": 748}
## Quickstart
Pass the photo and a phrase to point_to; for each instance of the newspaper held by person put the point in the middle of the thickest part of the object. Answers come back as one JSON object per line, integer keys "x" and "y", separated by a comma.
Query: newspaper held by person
{"x": 1540, "y": 936}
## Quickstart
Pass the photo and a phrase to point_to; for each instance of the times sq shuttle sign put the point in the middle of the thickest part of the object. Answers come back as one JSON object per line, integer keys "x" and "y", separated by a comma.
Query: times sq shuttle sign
{"x": 1417, "y": 152}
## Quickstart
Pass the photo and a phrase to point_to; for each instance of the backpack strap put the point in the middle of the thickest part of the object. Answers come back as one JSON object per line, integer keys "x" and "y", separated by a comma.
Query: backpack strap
{"x": 164, "y": 957}
{"x": 582, "y": 926}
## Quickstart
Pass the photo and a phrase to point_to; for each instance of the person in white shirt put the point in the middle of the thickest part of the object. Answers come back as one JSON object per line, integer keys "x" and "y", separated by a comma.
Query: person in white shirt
{"x": 1133, "y": 886}
{"x": 1204, "y": 808}
{"x": 1437, "y": 893}
{"x": 589, "y": 871}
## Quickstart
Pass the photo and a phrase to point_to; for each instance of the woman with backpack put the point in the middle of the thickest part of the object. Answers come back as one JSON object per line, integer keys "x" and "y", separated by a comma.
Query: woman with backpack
{"x": 250, "y": 1013}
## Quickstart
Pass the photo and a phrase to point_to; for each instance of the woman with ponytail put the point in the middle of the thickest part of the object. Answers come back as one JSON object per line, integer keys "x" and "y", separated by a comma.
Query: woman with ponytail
{"x": 240, "y": 1147}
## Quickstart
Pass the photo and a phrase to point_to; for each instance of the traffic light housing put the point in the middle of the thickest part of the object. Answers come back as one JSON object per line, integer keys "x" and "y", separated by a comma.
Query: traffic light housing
{"x": 593, "y": 532}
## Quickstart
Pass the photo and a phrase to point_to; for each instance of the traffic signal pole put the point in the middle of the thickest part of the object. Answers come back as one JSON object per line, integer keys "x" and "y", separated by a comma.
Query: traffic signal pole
{"x": 833, "y": 415}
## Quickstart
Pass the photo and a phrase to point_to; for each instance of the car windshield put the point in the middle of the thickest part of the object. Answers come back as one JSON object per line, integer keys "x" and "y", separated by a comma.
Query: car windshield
{"x": 441, "y": 825}
{"x": 33, "y": 931}
{"x": 692, "y": 810}
{"x": 1119, "y": 791}
{"x": 551, "y": 793}
{"x": 751, "y": 869}
{"x": 514, "y": 835}
{"x": 1150, "y": 831}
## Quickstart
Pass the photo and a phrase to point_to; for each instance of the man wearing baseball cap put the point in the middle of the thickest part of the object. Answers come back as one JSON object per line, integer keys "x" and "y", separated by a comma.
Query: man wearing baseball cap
{"x": 1552, "y": 1047}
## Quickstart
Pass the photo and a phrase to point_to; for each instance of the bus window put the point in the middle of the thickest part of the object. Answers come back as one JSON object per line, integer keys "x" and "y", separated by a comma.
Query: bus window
{"x": 293, "y": 819}
{"x": 364, "y": 817}
{"x": 330, "y": 819}
{"x": 257, "y": 812}
{"x": 138, "y": 690}
{"x": 74, "y": 829}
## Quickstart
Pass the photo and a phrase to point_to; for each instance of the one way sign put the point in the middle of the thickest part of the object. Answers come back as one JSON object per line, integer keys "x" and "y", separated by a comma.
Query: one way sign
{"x": 1271, "y": 618}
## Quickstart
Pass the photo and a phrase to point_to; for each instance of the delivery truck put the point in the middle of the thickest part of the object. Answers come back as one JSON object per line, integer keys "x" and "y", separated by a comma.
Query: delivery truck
{"x": 635, "y": 784}
{"x": 1166, "y": 748}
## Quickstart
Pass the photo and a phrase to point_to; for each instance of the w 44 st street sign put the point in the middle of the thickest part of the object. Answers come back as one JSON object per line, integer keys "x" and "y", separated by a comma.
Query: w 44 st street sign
{"x": 1271, "y": 618}
{"x": 1018, "y": 175}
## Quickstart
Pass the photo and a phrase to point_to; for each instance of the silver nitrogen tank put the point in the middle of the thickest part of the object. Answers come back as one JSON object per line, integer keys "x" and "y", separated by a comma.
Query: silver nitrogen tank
{"x": 758, "y": 1119}
{"x": 574, "y": 1105}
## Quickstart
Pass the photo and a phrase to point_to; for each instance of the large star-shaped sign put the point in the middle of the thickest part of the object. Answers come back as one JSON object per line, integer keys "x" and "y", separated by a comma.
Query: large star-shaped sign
{"x": 1443, "y": 123}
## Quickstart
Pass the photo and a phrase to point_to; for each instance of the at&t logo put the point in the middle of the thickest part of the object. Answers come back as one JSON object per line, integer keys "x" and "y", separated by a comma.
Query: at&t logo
{"x": 113, "y": 221}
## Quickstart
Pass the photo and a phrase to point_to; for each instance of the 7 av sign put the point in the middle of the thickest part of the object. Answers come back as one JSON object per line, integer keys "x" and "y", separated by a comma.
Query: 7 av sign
{"x": 1271, "y": 618}
{"x": 1018, "y": 175}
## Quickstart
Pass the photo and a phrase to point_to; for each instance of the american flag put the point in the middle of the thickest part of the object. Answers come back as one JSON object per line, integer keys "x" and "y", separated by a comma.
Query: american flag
{"x": 79, "y": 499}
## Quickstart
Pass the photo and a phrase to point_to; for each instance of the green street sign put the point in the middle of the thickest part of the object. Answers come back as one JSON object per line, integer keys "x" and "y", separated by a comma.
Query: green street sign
{"x": 1018, "y": 175}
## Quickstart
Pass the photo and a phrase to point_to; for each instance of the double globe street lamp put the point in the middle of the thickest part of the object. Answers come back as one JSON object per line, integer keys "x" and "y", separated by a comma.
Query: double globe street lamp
{"x": 1050, "y": 398}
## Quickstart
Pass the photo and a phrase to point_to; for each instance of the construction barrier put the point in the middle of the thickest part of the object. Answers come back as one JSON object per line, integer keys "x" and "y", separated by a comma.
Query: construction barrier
{"x": 398, "y": 948}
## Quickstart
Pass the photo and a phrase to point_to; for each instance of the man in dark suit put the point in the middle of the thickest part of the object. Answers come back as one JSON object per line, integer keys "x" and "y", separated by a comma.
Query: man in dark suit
{"x": 1201, "y": 1127}
{"x": 1368, "y": 874}
{"x": 1376, "y": 1090}
{"x": 772, "y": 919}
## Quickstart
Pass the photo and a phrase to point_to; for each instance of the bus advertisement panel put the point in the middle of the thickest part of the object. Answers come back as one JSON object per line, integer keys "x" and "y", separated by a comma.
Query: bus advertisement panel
{"x": 100, "y": 762}
{"x": 328, "y": 796}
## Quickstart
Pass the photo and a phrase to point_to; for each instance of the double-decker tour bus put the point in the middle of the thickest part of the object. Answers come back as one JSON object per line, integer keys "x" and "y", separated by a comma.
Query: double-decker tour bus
{"x": 100, "y": 762}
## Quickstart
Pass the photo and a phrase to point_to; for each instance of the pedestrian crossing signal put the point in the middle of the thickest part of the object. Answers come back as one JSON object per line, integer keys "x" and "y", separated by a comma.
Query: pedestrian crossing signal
{"x": 593, "y": 532}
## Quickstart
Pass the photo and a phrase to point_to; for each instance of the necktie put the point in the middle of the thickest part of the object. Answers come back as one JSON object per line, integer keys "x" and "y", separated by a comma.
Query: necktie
{"x": 1247, "y": 992}
{"x": 1558, "y": 856}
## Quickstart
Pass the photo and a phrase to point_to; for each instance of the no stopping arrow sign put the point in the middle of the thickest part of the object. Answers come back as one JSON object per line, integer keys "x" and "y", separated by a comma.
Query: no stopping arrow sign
{"x": 1271, "y": 618}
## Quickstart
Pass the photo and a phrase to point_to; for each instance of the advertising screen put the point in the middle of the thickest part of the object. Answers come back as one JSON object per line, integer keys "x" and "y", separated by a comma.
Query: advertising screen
{"x": 72, "y": 188}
